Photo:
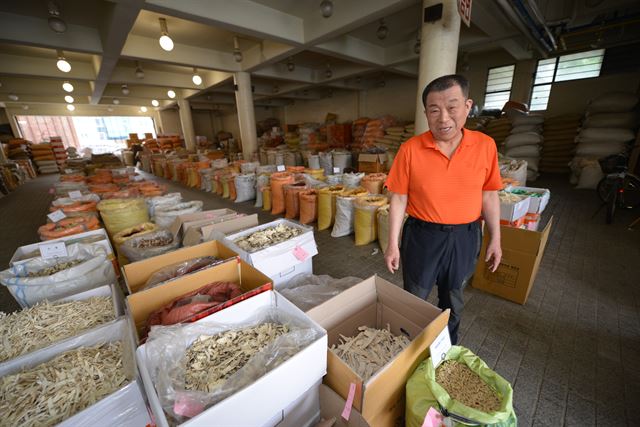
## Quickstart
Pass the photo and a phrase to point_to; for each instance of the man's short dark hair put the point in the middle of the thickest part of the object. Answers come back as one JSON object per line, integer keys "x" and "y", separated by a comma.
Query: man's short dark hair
{"x": 444, "y": 83}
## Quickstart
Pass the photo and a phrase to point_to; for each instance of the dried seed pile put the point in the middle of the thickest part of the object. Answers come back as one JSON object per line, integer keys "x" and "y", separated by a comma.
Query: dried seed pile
{"x": 267, "y": 237}
{"x": 370, "y": 350}
{"x": 509, "y": 198}
{"x": 55, "y": 268}
{"x": 56, "y": 390}
{"x": 44, "y": 323}
{"x": 212, "y": 359}
{"x": 153, "y": 242}
{"x": 466, "y": 386}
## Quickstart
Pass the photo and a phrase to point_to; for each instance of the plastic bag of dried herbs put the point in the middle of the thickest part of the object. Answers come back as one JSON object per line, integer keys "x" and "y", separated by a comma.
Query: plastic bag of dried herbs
{"x": 423, "y": 392}
{"x": 148, "y": 245}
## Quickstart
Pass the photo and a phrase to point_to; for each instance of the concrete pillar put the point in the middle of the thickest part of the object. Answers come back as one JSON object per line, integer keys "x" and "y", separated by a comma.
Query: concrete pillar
{"x": 157, "y": 119}
{"x": 186, "y": 122}
{"x": 246, "y": 114}
{"x": 438, "y": 52}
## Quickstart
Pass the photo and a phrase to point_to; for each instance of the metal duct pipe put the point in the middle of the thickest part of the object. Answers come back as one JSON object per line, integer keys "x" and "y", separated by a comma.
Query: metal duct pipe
{"x": 533, "y": 6}
{"x": 513, "y": 16}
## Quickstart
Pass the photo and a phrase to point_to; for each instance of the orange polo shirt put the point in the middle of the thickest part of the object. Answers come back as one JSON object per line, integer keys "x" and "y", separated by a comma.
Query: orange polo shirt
{"x": 443, "y": 190}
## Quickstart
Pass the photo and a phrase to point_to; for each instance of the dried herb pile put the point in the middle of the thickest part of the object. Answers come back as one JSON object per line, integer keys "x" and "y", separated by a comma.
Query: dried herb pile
{"x": 267, "y": 237}
{"x": 466, "y": 386}
{"x": 56, "y": 268}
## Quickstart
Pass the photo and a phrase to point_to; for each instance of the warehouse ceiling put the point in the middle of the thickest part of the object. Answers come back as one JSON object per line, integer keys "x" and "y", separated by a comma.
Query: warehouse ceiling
{"x": 290, "y": 49}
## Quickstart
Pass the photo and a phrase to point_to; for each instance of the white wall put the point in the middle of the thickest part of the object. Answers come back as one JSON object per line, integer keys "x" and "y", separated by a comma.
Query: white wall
{"x": 344, "y": 104}
{"x": 397, "y": 98}
{"x": 231, "y": 124}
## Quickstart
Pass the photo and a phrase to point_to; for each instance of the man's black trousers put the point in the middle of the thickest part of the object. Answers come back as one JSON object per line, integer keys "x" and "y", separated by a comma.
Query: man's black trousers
{"x": 444, "y": 255}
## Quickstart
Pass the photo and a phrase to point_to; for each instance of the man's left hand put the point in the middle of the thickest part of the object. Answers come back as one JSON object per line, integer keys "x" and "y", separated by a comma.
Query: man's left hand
{"x": 494, "y": 255}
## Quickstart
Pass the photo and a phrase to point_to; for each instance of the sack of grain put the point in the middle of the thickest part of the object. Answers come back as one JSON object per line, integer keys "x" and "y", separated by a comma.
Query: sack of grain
{"x": 278, "y": 181}
{"x": 292, "y": 199}
{"x": 327, "y": 205}
{"x": 606, "y": 135}
{"x": 531, "y": 150}
{"x": 262, "y": 181}
{"x": 365, "y": 221}
{"x": 613, "y": 102}
{"x": 118, "y": 214}
{"x": 627, "y": 120}
{"x": 308, "y": 206}
{"x": 526, "y": 138}
{"x": 343, "y": 225}
{"x": 245, "y": 185}
{"x": 148, "y": 245}
{"x": 165, "y": 216}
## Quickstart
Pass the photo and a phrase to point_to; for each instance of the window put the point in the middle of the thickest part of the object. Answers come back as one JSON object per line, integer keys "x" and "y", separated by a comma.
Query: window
{"x": 498, "y": 87}
{"x": 581, "y": 65}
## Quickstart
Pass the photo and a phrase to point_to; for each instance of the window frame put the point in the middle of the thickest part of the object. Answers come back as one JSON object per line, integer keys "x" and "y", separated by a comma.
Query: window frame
{"x": 486, "y": 92}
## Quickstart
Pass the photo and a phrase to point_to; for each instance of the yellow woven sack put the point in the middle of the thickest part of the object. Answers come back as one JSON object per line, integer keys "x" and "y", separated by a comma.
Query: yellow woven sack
{"x": 327, "y": 205}
{"x": 118, "y": 214}
{"x": 266, "y": 199}
{"x": 366, "y": 226}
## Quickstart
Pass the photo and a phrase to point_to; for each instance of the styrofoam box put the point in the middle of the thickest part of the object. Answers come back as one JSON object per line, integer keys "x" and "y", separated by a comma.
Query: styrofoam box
{"x": 124, "y": 407}
{"x": 536, "y": 204}
{"x": 514, "y": 211}
{"x": 304, "y": 412}
{"x": 275, "y": 391}
{"x": 279, "y": 262}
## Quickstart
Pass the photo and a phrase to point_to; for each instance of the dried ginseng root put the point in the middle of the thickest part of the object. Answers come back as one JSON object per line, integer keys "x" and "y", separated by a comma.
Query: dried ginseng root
{"x": 210, "y": 360}
{"x": 370, "y": 350}
{"x": 45, "y": 323}
{"x": 56, "y": 268}
{"x": 268, "y": 237}
{"x": 466, "y": 386}
{"x": 58, "y": 389}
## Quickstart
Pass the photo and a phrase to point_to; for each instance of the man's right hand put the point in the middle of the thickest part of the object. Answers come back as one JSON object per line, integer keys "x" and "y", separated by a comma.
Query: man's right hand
{"x": 392, "y": 258}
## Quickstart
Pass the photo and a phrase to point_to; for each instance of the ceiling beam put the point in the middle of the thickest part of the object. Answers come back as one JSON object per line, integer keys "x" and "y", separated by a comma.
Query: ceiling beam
{"x": 352, "y": 49}
{"x": 484, "y": 17}
{"x": 265, "y": 53}
{"x": 18, "y": 65}
{"x": 280, "y": 72}
{"x": 42, "y": 87}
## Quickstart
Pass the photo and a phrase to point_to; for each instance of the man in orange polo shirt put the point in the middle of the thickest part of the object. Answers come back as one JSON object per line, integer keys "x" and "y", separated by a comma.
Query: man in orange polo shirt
{"x": 445, "y": 179}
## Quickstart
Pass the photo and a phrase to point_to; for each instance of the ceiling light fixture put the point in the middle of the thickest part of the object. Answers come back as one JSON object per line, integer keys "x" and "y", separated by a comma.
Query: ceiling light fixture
{"x": 237, "y": 53}
{"x": 55, "y": 22}
{"x": 196, "y": 79}
{"x": 125, "y": 90}
{"x": 25, "y": 107}
{"x": 328, "y": 73}
{"x": 13, "y": 97}
{"x": 358, "y": 79}
{"x": 67, "y": 87}
{"x": 139, "y": 71}
{"x": 326, "y": 7}
{"x": 116, "y": 101}
{"x": 165, "y": 41}
{"x": 62, "y": 63}
{"x": 171, "y": 94}
{"x": 143, "y": 109}
{"x": 155, "y": 102}
{"x": 109, "y": 109}
{"x": 290, "y": 65}
{"x": 382, "y": 30}
{"x": 69, "y": 99}
{"x": 71, "y": 107}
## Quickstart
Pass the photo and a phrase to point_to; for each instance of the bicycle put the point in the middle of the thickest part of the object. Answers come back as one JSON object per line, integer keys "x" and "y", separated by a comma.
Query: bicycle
{"x": 619, "y": 189}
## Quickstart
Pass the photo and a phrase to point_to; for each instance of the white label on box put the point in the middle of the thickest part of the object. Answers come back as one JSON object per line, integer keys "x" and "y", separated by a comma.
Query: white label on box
{"x": 336, "y": 170}
{"x": 56, "y": 215}
{"x": 75, "y": 194}
{"x": 440, "y": 346}
{"x": 280, "y": 168}
{"x": 52, "y": 250}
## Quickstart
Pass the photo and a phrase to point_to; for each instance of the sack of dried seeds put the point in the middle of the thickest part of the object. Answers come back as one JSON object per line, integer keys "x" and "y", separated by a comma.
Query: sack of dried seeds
{"x": 206, "y": 362}
{"x": 470, "y": 392}
{"x": 149, "y": 245}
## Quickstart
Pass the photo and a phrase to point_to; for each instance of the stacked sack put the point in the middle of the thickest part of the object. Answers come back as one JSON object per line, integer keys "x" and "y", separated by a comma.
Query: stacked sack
{"x": 558, "y": 145}
{"x": 19, "y": 149}
{"x": 477, "y": 123}
{"x": 525, "y": 141}
{"x": 498, "y": 129}
{"x": 59, "y": 152}
{"x": 609, "y": 124}
{"x": 44, "y": 158}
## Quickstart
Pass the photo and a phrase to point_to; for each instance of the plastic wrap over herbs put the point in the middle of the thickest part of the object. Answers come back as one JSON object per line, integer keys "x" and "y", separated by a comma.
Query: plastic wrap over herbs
{"x": 268, "y": 237}
{"x": 306, "y": 291}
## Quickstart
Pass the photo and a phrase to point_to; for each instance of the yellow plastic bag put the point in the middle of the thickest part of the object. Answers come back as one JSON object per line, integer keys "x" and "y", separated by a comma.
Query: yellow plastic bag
{"x": 366, "y": 223}
{"x": 266, "y": 199}
{"x": 118, "y": 214}
{"x": 327, "y": 205}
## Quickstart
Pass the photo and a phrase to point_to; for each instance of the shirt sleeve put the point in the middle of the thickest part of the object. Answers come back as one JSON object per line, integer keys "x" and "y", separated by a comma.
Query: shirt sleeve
{"x": 398, "y": 178}
{"x": 493, "y": 180}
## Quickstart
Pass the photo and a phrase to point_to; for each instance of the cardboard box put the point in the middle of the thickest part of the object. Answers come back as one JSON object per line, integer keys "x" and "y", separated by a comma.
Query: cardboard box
{"x": 284, "y": 260}
{"x": 183, "y": 222}
{"x": 192, "y": 231}
{"x": 511, "y": 212}
{"x": 271, "y": 393}
{"x": 124, "y": 407}
{"x": 536, "y": 204}
{"x": 331, "y": 406}
{"x": 377, "y": 303}
{"x": 137, "y": 273}
{"x": 219, "y": 230}
{"x": 522, "y": 252}
{"x": 141, "y": 304}
{"x": 371, "y": 163}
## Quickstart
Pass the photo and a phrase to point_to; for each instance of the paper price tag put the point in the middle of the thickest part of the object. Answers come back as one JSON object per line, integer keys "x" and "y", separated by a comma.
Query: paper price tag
{"x": 53, "y": 250}
{"x": 440, "y": 346}
{"x": 300, "y": 253}
{"x": 56, "y": 215}
{"x": 75, "y": 194}
{"x": 280, "y": 168}
{"x": 186, "y": 406}
{"x": 433, "y": 418}
{"x": 346, "y": 412}
{"x": 336, "y": 170}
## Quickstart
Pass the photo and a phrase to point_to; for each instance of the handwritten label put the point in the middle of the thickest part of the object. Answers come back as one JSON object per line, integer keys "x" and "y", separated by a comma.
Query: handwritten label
{"x": 300, "y": 253}
{"x": 186, "y": 406}
{"x": 280, "y": 168}
{"x": 440, "y": 346}
{"x": 433, "y": 418}
{"x": 75, "y": 194}
{"x": 53, "y": 250}
{"x": 336, "y": 170}
{"x": 346, "y": 412}
{"x": 56, "y": 216}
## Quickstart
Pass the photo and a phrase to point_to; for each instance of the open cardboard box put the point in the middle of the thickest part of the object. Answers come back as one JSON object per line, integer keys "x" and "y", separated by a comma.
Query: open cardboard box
{"x": 141, "y": 304}
{"x": 331, "y": 406}
{"x": 137, "y": 273}
{"x": 377, "y": 303}
{"x": 522, "y": 251}
{"x": 183, "y": 222}
{"x": 220, "y": 230}
{"x": 536, "y": 204}
{"x": 193, "y": 231}
{"x": 511, "y": 212}
{"x": 371, "y": 163}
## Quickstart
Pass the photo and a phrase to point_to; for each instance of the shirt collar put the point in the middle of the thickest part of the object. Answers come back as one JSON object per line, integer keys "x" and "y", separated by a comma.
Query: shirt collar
{"x": 468, "y": 138}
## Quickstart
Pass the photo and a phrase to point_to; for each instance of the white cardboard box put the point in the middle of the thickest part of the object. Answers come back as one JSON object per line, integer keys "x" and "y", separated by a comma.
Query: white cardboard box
{"x": 536, "y": 204}
{"x": 514, "y": 211}
{"x": 284, "y": 260}
{"x": 272, "y": 393}
{"x": 124, "y": 407}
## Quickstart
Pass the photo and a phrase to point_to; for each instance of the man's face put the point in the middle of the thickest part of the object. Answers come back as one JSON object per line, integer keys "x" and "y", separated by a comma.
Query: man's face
{"x": 447, "y": 113}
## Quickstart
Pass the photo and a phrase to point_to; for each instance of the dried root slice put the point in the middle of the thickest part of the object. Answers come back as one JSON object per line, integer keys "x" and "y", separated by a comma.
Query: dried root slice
{"x": 212, "y": 359}
{"x": 267, "y": 237}
{"x": 56, "y": 268}
{"x": 466, "y": 386}
{"x": 58, "y": 389}
{"x": 370, "y": 350}
{"x": 45, "y": 323}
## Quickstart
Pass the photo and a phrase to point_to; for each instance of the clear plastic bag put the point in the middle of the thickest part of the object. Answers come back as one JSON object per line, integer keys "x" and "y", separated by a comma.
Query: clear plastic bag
{"x": 179, "y": 269}
{"x": 334, "y": 179}
{"x": 167, "y": 200}
{"x": 307, "y": 290}
{"x": 312, "y": 182}
{"x": 166, "y": 348}
{"x": 164, "y": 216}
{"x": 245, "y": 187}
{"x": 352, "y": 180}
{"x": 343, "y": 225}
{"x": 326, "y": 162}
{"x": 164, "y": 242}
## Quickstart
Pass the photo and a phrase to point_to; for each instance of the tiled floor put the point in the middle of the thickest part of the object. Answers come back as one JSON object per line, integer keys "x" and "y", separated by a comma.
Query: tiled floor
{"x": 572, "y": 352}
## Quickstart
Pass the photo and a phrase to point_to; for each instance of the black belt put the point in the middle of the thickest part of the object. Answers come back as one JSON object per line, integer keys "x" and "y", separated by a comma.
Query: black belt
{"x": 442, "y": 227}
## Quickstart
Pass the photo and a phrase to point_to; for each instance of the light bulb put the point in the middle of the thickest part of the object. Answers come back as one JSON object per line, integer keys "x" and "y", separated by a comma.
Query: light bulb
{"x": 13, "y": 97}
{"x": 155, "y": 102}
{"x": 69, "y": 99}
{"x": 166, "y": 43}
{"x": 328, "y": 73}
{"x": 382, "y": 30}
{"x": 139, "y": 73}
{"x": 237, "y": 55}
{"x": 171, "y": 94}
{"x": 143, "y": 109}
{"x": 196, "y": 79}
{"x": 63, "y": 65}
{"x": 416, "y": 48}
{"x": 110, "y": 109}
{"x": 67, "y": 87}
{"x": 116, "y": 101}
{"x": 25, "y": 107}
{"x": 290, "y": 65}
{"x": 125, "y": 90}
{"x": 326, "y": 7}
{"x": 71, "y": 107}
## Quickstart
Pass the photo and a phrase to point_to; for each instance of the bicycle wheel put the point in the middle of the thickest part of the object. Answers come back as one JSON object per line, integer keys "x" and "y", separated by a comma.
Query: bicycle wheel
{"x": 631, "y": 186}
{"x": 604, "y": 188}
{"x": 611, "y": 206}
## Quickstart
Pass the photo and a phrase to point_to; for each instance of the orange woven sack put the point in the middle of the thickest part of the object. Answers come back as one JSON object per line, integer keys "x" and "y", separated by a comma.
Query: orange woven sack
{"x": 76, "y": 207}
{"x": 68, "y": 227}
{"x": 308, "y": 206}
{"x": 374, "y": 182}
{"x": 278, "y": 181}
{"x": 292, "y": 199}
{"x": 232, "y": 188}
